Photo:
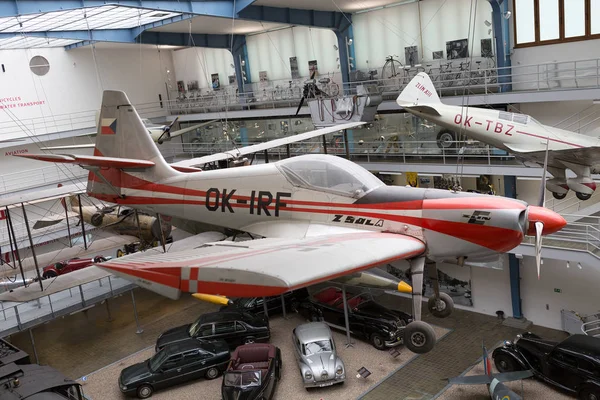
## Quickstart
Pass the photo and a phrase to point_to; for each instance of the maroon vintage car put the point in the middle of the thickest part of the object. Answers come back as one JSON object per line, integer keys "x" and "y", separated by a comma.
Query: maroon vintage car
{"x": 64, "y": 267}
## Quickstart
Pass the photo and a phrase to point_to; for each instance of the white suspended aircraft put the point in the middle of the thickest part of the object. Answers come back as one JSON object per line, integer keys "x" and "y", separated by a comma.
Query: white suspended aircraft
{"x": 518, "y": 134}
{"x": 321, "y": 216}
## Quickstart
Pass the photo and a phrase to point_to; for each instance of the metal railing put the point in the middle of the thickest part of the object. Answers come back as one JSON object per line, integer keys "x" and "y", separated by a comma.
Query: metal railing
{"x": 365, "y": 151}
{"x": 448, "y": 81}
{"x": 574, "y": 236}
{"x": 15, "y": 318}
{"x": 34, "y": 178}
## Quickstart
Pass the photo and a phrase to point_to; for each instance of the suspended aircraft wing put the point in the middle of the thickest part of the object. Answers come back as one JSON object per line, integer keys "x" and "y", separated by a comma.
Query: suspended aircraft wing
{"x": 233, "y": 154}
{"x": 487, "y": 379}
{"x": 191, "y": 128}
{"x": 582, "y": 155}
{"x": 263, "y": 267}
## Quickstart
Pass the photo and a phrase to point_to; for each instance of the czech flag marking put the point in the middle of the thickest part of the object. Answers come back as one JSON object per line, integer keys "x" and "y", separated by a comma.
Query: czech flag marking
{"x": 109, "y": 126}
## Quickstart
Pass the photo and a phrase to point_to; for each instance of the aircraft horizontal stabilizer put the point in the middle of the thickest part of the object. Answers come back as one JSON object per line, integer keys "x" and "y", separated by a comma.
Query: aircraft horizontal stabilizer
{"x": 424, "y": 109}
{"x": 70, "y": 147}
{"x": 513, "y": 376}
{"x": 471, "y": 380}
{"x": 91, "y": 161}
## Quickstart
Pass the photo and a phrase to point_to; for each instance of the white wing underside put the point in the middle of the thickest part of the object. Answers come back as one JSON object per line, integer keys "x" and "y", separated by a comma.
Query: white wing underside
{"x": 582, "y": 156}
{"x": 262, "y": 267}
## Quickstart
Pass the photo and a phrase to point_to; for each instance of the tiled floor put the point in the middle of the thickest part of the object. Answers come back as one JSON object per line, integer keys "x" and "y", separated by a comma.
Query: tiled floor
{"x": 87, "y": 341}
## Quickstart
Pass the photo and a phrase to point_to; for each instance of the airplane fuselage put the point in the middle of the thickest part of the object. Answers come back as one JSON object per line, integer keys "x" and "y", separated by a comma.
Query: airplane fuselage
{"x": 263, "y": 200}
{"x": 505, "y": 130}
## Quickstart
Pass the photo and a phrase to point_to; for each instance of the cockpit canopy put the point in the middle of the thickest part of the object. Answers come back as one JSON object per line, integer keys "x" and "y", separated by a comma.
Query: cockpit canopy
{"x": 329, "y": 173}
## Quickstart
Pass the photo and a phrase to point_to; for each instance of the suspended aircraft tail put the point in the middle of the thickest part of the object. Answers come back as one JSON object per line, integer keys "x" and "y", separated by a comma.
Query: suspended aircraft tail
{"x": 125, "y": 156}
{"x": 420, "y": 95}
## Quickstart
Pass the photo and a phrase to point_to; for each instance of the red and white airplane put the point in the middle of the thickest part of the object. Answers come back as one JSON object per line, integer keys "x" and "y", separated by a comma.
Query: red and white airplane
{"x": 321, "y": 217}
{"x": 519, "y": 134}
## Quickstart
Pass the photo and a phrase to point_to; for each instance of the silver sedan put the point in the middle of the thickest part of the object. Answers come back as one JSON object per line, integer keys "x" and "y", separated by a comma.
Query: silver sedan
{"x": 316, "y": 355}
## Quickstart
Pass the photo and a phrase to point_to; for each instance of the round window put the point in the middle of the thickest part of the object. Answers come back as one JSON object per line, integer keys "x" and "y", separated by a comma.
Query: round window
{"x": 39, "y": 65}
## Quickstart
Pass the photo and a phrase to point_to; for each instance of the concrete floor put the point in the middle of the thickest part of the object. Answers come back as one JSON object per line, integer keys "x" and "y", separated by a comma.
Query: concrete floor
{"x": 85, "y": 342}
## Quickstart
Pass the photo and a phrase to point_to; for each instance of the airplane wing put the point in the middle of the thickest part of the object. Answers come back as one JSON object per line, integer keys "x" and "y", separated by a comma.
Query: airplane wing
{"x": 513, "y": 376}
{"x": 581, "y": 156}
{"x": 53, "y": 219}
{"x": 233, "y": 154}
{"x": 262, "y": 267}
{"x": 471, "y": 380}
{"x": 191, "y": 128}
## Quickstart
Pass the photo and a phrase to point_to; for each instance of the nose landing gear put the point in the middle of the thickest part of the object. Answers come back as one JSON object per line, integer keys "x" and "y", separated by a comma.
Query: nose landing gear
{"x": 419, "y": 336}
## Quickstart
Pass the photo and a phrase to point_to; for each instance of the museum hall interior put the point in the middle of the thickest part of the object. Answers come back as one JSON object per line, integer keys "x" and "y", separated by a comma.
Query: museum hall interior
{"x": 299, "y": 199}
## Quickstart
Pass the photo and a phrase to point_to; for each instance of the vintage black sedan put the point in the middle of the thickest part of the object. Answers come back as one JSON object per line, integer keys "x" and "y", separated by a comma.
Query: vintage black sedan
{"x": 252, "y": 373}
{"x": 256, "y": 305}
{"x": 235, "y": 327}
{"x": 572, "y": 365}
{"x": 369, "y": 320}
{"x": 176, "y": 363}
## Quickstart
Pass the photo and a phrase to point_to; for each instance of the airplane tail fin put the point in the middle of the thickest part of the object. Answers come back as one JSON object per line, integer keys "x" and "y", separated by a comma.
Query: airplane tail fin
{"x": 419, "y": 91}
{"x": 122, "y": 135}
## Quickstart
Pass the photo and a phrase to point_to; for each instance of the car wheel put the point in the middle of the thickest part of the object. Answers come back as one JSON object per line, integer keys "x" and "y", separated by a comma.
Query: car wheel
{"x": 419, "y": 337}
{"x": 505, "y": 363}
{"x": 212, "y": 373}
{"x": 249, "y": 340}
{"x": 49, "y": 274}
{"x": 144, "y": 391}
{"x": 314, "y": 317}
{"x": 377, "y": 341}
{"x": 589, "y": 393}
{"x": 442, "y": 307}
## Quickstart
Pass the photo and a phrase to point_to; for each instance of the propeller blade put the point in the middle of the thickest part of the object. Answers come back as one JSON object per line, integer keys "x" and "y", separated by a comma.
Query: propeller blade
{"x": 312, "y": 76}
{"x": 539, "y": 228}
{"x": 300, "y": 105}
{"x": 173, "y": 123}
{"x": 542, "y": 198}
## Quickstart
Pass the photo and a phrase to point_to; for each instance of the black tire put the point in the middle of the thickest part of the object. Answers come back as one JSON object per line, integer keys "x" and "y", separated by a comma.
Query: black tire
{"x": 378, "y": 341}
{"x": 589, "y": 393}
{"x": 441, "y": 308}
{"x": 505, "y": 363}
{"x": 419, "y": 337}
{"x": 446, "y": 139}
{"x": 49, "y": 274}
{"x": 145, "y": 391}
{"x": 583, "y": 196}
{"x": 97, "y": 219}
{"x": 559, "y": 196}
{"x": 211, "y": 373}
{"x": 99, "y": 259}
{"x": 249, "y": 340}
{"x": 314, "y": 317}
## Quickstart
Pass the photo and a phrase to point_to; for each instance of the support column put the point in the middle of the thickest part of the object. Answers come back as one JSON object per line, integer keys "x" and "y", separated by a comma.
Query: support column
{"x": 501, "y": 38}
{"x": 135, "y": 314}
{"x": 82, "y": 222}
{"x": 240, "y": 62}
{"x": 283, "y": 306}
{"x": 265, "y": 308}
{"x": 35, "y": 354}
{"x": 346, "y": 320}
{"x": 37, "y": 268}
{"x": 510, "y": 190}
{"x": 244, "y": 136}
{"x": 345, "y": 39}
{"x": 11, "y": 233}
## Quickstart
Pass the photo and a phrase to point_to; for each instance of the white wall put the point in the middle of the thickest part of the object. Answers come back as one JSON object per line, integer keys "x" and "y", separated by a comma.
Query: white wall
{"x": 388, "y": 31}
{"x": 271, "y": 52}
{"x": 71, "y": 86}
{"x": 197, "y": 64}
{"x": 579, "y": 291}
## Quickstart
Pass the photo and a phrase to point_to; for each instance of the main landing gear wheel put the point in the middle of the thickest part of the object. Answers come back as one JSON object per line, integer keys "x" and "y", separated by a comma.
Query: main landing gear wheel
{"x": 419, "y": 337}
{"x": 559, "y": 196}
{"x": 441, "y": 307}
{"x": 445, "y": 139}
{"x": 583, "y": 196}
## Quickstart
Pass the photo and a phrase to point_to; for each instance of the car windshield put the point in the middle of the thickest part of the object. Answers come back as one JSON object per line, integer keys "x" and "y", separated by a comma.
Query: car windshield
{"x": 242, "y": 379}
{"x": 318, "y": 346}
{"x": 157, "y": 360}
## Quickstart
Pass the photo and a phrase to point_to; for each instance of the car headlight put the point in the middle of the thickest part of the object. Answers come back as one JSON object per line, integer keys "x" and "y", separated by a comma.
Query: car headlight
{"x": 308, "y": 375}
{"x": 392, "y": 334}
{"x": 507, "y": 343}
{"x": 339, "y": 370}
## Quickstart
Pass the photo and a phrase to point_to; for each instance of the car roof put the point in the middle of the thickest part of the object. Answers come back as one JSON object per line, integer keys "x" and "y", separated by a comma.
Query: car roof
{"x": 588, "y": 345}
{"x": 188, "y": 344}
{"x": 313, "y": 331}
{"x": 227, "y": 315}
